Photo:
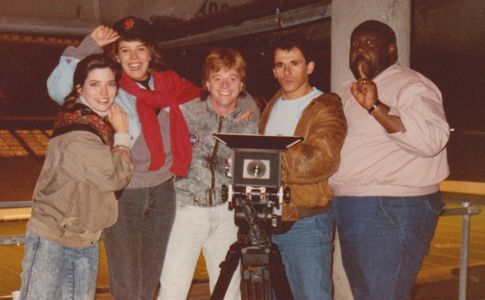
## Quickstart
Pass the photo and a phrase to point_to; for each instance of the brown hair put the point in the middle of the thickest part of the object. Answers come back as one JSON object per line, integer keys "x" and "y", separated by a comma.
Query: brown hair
{"x": 288, "y": 42}
{"x": 222, "y": 58}
{"x": 156, "y": 63}
{"x": 83, "y": 68}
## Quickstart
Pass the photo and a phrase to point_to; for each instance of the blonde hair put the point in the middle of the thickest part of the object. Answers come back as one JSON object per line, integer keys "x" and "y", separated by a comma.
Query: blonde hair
{"x": 223, "y": 58}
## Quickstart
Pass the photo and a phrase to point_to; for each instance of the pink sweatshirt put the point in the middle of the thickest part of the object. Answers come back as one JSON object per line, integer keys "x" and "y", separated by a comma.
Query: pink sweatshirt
{"x": 410, "y": 163}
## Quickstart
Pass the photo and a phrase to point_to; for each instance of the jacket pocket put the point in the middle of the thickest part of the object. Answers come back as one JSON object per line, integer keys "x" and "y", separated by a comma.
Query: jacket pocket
{"x": 91, "y": 212}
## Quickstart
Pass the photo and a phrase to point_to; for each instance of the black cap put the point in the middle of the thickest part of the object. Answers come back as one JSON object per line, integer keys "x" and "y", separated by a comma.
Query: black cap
{"x": 135, "y": 28}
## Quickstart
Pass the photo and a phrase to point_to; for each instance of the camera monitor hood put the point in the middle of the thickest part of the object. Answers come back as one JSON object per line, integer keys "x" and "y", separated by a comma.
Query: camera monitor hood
{"x": 256, "y": 141}
{"x": 257, "y": 158}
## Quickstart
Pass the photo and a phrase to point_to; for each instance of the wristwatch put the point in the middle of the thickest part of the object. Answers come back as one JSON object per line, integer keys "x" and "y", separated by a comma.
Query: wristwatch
{"x": 374, "y": 106}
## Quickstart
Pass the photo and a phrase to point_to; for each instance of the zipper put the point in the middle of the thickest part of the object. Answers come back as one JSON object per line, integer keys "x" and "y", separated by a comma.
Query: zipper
{"x": 211, "y": 190}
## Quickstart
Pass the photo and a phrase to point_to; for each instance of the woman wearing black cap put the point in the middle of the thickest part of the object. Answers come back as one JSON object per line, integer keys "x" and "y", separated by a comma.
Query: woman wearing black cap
{"x": 136, "y": 244}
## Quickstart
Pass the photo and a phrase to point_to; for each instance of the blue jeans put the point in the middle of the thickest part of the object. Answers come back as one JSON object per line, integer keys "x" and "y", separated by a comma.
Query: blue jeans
{"x": 136, "y": 244}
{"x": 384, "y": 241}
{"x": 306, "y": 252}
{"x": 54, "y": 271}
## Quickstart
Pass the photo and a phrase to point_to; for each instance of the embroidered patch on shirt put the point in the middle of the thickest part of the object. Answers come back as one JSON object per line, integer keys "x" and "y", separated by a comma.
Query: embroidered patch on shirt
{"x": 245, "y": 116}
{"x": 194, "y": 140}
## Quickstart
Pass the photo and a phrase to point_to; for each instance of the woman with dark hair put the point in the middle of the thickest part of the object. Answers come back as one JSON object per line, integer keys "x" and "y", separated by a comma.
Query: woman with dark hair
{"x": 136, "y": 244}
{"x": 87, "y": 161}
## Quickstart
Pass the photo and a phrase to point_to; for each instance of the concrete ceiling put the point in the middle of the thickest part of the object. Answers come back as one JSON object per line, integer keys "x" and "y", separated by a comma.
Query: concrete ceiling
{"x": 450, "y": 25}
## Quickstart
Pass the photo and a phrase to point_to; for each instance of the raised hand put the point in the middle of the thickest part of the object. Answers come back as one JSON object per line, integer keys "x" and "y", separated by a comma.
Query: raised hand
{"x": 364, "y": 90}
{"x": 104, "y": 35}
{"x": 118, "y": 119}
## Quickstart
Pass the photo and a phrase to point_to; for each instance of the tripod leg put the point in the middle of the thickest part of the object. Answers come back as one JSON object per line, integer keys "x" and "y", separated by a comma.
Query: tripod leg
{"x": 281, "y": 286}
{"x": 255, "y": 281}
{"x": 228, "y": 266}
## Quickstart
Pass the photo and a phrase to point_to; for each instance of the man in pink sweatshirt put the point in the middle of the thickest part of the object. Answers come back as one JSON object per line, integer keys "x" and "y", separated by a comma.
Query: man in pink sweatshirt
{"x": 393, "y": 159}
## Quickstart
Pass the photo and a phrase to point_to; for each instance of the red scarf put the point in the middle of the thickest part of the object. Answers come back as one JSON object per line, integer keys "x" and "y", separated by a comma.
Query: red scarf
{"x": 170, "y": 91}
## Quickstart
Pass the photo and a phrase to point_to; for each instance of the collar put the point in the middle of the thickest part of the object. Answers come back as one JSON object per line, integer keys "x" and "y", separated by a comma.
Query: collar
{"x": 102, "y": 114}
{"x": 210, "y": 108}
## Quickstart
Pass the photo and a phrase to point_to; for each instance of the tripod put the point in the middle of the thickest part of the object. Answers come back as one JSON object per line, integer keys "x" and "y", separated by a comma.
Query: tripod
{"x": 261, "y": 265}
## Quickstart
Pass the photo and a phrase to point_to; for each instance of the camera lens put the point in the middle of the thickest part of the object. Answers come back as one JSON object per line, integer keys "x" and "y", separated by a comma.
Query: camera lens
{"x": 256, "y": 169}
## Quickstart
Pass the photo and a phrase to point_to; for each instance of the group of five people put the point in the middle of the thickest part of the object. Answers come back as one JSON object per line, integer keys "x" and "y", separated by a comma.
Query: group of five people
{"x": 144, "y": 134}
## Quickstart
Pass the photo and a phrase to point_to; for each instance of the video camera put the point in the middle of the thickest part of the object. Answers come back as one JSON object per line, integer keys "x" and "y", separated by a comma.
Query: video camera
{"x": 255, "y": 169}
{"x": 257, "y": 196}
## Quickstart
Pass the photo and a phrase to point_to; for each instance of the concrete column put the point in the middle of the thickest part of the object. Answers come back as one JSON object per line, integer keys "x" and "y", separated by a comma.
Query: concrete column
{"x": 346, "y": 15}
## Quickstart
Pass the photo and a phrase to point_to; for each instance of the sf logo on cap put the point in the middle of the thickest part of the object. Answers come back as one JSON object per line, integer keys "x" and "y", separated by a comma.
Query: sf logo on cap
{"x": 128, "y": 24}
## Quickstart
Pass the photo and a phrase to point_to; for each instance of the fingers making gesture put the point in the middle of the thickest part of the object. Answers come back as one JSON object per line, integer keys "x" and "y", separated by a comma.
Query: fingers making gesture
{"x": 364, "y": 90}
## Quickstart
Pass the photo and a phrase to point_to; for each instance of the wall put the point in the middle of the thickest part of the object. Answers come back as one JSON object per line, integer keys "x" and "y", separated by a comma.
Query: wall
{"x": 452, "y": 25}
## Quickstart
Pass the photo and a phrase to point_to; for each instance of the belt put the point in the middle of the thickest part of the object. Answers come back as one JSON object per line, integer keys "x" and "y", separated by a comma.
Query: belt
{"x": 305, "y": 212}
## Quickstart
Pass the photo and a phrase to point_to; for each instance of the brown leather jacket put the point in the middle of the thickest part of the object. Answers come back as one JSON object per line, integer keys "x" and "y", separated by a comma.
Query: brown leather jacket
{"x": 307, "y": 166}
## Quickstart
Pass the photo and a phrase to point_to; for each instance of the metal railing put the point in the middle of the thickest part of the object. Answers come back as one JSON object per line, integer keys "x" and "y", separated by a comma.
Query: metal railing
{"x": 466, "y": 211}
{"x": 13, "y": 239}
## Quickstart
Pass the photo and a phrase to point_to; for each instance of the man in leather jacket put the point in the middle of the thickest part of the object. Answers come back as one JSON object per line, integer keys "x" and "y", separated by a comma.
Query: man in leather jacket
{"x": 302, "y": 110}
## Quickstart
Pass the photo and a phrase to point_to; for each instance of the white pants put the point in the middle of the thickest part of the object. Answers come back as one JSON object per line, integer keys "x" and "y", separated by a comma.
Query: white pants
{"x": 211, "y": 229}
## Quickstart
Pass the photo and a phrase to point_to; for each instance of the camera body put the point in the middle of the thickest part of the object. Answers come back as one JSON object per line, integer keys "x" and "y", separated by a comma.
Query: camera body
{"x": 255, "y": 169}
